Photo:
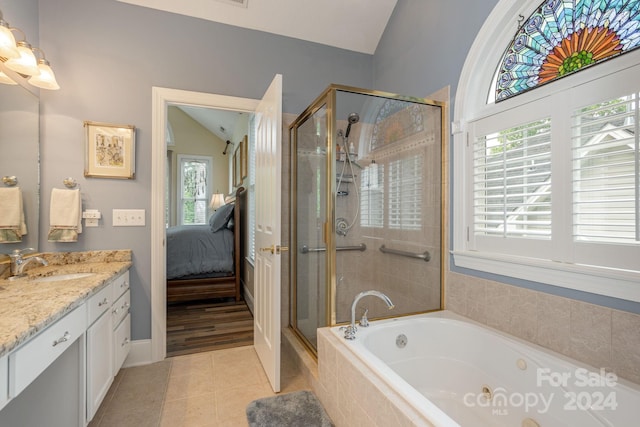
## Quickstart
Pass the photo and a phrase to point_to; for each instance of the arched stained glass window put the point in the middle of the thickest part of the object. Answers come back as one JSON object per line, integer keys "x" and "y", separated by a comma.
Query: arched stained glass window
{"x": 562, "y": 37}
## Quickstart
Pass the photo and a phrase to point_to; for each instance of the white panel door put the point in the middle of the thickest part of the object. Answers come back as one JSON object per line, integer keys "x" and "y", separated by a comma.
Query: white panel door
{"x": 266, "y": 324}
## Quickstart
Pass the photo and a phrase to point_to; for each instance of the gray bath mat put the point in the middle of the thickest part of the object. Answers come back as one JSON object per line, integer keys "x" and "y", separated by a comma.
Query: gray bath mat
{"x": 297, "y": 409}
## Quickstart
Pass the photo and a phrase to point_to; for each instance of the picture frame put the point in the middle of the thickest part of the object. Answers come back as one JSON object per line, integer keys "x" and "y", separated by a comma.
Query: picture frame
{"x": 244, "y": 156}
{"x": 109, "y": 150}
{"x": 237, "y": 166}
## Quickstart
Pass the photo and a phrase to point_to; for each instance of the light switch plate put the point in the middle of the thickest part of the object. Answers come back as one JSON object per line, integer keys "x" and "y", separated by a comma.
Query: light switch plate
{"x": 128, "y": 217}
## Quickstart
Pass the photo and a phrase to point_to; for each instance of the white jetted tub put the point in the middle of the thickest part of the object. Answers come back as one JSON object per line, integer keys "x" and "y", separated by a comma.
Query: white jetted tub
{"x": 456, "y": 372}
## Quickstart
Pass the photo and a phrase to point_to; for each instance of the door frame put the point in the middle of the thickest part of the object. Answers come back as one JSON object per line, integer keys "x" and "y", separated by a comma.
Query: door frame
{"x": 161, "y": 98}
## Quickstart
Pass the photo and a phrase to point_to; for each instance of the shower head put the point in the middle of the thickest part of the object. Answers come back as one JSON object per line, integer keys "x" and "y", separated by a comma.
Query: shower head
{"x": 352, "y": 119}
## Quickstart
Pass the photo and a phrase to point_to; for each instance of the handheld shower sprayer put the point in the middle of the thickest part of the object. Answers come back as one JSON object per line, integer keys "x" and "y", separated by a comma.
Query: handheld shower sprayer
{"x": 352, "y": 119}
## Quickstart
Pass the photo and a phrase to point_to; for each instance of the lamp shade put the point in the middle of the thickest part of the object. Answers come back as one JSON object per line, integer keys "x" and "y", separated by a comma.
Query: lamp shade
{"x": 217, "y": 200}
{"x": 46, "y": 79}
{"x": 6, "y": 79}
{"x": 27, "y": 63}
{"x": 8, "y": 47}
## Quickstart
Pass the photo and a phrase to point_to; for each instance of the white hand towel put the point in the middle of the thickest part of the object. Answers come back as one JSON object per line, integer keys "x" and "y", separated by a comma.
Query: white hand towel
{"x": 12, "y": 225}
{"x": 65, "y": 215}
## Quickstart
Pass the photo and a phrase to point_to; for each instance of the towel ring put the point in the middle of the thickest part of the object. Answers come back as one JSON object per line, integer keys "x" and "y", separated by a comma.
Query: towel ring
{"x": 10, "y": 181}
{"x": 69, "y": 182}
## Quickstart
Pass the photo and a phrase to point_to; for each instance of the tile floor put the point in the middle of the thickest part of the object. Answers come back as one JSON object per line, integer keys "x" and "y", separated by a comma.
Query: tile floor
{"x": 202, "y": 389}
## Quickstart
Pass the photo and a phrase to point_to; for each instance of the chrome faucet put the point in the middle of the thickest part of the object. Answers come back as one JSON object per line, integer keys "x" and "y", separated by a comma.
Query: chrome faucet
{"x": 350, "y": 331}
{"x": 18, "y": 263}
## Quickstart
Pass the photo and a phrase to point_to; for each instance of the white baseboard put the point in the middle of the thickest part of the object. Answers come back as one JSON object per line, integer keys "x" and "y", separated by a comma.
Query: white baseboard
{"x": 140, "y": 354}
{"x": 248, "y": 298}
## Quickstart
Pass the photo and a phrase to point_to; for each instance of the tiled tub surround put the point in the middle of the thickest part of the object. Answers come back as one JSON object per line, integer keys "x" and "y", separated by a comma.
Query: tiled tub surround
{"x": 592, "y": 334}
{"x": 28, "y": 307}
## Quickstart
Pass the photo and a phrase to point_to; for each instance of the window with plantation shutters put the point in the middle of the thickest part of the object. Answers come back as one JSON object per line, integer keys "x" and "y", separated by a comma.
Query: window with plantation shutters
{"x": 512, "y": 182}
{"x": 372, "y": 196}
{"x": 405, "y": 193}
{"x": 605, "y": 171}
{"x": 546, "y": 152}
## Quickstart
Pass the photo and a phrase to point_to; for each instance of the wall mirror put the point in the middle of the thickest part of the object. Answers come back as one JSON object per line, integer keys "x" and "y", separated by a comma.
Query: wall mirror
{"x": 19, "y": 145}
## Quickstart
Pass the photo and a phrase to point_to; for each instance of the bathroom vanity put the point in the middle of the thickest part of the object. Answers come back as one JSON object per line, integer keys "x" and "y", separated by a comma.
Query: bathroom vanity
{"x": 64, "y": 335}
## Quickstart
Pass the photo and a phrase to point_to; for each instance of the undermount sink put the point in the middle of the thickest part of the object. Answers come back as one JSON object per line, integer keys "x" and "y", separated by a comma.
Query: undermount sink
{"x": 57, "y": 277}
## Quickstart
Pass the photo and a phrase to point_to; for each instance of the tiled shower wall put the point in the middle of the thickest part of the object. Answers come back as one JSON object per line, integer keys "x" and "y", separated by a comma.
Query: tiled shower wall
{"x": 592, "y": 334}
{"x": 412, "y": 284}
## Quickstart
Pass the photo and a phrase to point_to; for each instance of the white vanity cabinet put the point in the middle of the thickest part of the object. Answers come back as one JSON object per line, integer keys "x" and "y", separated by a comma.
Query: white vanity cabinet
{"x": 105, "y": 350}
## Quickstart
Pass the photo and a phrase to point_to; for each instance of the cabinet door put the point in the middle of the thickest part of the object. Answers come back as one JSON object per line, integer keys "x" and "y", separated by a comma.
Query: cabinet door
{"x": 122, "y": 342}
{"x": 99, "y": 363}
{"x": 4, "y": 381}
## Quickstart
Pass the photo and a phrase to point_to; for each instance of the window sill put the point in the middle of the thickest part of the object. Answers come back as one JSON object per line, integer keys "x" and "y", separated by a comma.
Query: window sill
{"x": 250, "y": 262}
{"x": 621, "y": 284}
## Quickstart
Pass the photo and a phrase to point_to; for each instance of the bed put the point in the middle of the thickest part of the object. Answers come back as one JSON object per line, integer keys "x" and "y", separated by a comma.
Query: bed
{"x": 203, "y": 261}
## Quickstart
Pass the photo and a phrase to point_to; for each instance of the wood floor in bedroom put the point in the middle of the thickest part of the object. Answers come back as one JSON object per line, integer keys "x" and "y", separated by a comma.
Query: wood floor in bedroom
{"x": 199, "y": 326}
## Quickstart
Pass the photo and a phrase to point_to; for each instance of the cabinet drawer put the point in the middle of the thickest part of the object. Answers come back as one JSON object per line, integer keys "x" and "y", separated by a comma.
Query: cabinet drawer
{"x": 99, "y": 303}
{"x": 121, "y": 343}
{"x": 120, "y": 309}
{"x": 120, "y": 285}
{"x": 4, "y": 381}
{"x": 30, "y": 360}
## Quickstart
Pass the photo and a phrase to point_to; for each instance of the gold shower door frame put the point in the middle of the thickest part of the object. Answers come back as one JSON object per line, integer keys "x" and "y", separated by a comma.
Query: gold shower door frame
{"x": 328, "y": 99}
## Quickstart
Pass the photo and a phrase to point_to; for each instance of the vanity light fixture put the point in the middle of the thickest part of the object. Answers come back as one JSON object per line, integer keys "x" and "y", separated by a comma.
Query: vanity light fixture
{"x": 8, "y": 47}
{"x": 46, "y": 79}
{"x": 20, "y": 57}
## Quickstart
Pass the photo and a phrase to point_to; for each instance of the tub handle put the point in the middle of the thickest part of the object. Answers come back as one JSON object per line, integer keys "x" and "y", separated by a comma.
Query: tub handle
{"x": 364, "y": 321}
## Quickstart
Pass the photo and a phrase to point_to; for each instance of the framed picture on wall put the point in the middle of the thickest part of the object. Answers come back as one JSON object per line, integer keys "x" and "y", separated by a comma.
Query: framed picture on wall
{"x": 237, "y": 166}
{"x": 244, "y": 156}
{"x": 109, "y": 150}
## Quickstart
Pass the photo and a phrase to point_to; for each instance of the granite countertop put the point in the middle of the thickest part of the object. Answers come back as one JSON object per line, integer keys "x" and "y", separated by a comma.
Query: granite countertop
{"x": 27, "y": 306}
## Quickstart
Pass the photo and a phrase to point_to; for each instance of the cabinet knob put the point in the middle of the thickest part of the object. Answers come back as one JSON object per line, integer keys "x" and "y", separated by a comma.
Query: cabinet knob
{"x": 105, "y": 301}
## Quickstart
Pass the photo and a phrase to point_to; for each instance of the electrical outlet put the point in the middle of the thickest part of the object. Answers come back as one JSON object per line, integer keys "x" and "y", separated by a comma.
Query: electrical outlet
{"x": 128, "y": 217}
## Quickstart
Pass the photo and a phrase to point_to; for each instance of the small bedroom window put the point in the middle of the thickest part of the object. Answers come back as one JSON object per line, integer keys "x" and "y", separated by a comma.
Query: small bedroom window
{"x": 194, "y": 189}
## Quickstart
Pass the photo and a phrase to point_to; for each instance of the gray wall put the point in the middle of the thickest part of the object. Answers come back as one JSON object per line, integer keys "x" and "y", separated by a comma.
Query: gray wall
{"x": 107, "y": 56}
{"x": 426, "y": 43}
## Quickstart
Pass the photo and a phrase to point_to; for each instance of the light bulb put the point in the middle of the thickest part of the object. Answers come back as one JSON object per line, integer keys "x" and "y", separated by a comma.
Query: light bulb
{"x": 27, "y": 63}
{"x": 8, "y": 47}
{"x": 46, "y": 79}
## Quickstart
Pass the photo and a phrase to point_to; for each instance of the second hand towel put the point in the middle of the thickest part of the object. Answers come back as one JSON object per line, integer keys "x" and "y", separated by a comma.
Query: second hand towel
{"x": 65, "y": 215}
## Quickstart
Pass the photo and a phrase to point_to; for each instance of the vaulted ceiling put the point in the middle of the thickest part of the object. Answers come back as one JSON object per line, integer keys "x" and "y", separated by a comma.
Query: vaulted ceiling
{"x": 348, "y": 24}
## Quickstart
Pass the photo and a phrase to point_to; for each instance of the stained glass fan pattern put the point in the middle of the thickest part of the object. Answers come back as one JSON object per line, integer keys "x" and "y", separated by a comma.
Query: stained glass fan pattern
{"x": 562, "y": 37}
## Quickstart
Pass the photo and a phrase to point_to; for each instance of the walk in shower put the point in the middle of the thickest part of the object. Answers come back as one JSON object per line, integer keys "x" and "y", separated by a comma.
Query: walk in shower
{"x": 367, "y": 207}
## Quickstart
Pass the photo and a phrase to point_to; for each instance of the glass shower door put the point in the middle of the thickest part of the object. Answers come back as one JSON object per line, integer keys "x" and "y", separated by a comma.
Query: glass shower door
{"x": 309, "y": 143}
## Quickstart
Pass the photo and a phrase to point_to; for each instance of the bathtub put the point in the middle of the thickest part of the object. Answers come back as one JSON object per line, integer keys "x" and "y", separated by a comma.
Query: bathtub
{"x": 455, "y": 372}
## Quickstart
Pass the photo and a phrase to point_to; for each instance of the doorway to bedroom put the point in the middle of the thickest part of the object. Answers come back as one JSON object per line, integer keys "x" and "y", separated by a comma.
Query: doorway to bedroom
{"x": 204, "y": 170}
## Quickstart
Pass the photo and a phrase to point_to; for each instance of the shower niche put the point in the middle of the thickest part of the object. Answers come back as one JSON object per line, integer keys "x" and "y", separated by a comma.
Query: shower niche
{"x": 367, "y": 207}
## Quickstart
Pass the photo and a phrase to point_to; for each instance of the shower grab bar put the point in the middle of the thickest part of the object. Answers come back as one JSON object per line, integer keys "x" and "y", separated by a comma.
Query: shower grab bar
{"x": 426, "y": 256}
{"x": 361, "y": 247}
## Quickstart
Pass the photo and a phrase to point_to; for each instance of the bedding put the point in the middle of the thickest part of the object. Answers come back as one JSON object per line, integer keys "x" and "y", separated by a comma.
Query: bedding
{"x": 196, "y": 250}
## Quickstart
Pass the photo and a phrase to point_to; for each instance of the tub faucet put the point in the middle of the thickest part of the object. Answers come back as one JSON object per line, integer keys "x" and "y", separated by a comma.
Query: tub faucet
{"x": 18, "y": 263}
{"x": 350, "y": 331}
